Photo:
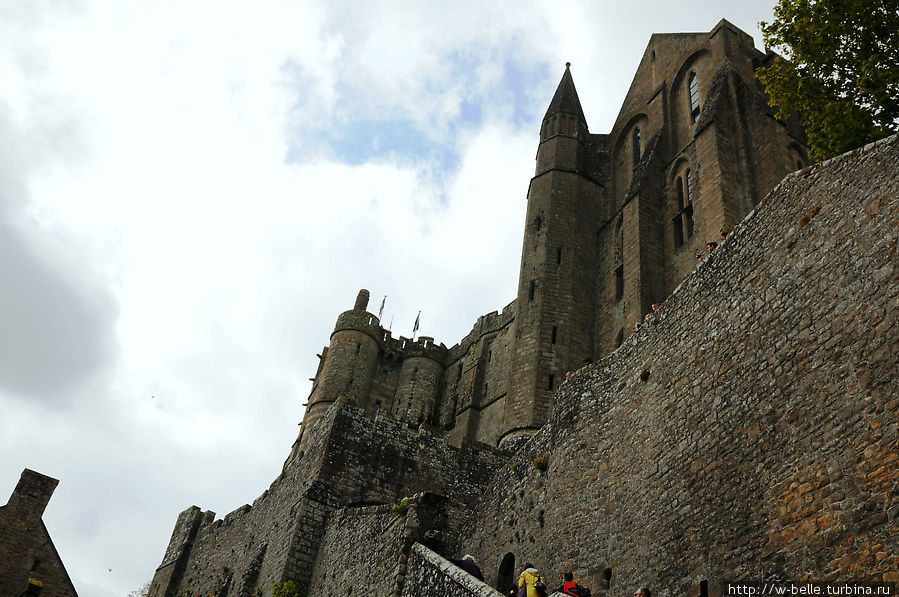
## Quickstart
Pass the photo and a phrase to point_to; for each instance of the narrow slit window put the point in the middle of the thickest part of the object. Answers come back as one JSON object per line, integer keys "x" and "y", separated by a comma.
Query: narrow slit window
{"x": 358, "y": 347}
{"x": 538, "y": 224}
{"x": 682, "y": 225}
{"x": 552, "y": 338}
{"x": 635, "y": 142}
{"x": 688, "y": 208}
{"x": 559, "y": 255}
{"x": 531, "y": 289}
{"x": 552, "y": 378}
{"x": 677, "y": 227}
{"x": 694, "y": 96}
{"x": 619, "y": 282}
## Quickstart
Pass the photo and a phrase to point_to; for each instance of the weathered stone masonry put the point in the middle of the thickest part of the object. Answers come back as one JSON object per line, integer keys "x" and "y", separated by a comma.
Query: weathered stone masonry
{"x": 750, "y": 430}
{"x": 747, "y": 432}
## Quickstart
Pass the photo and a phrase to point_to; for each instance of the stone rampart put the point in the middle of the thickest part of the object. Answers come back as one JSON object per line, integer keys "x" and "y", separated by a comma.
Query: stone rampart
{"x": 430, "y": 574}
{"x": 749, "y": 431}
{"x": 350, "y": 461}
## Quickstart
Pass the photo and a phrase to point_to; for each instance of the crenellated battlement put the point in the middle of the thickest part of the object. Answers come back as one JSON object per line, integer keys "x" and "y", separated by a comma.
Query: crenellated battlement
{"x": 361, "y": 321}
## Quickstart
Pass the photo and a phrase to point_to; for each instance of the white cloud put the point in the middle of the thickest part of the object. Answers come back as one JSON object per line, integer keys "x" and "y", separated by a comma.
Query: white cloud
{"x": 144, "y": 171}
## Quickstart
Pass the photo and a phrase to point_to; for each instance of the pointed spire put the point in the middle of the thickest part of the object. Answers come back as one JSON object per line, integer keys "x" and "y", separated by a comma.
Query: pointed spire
{"x": 565, "y": 99}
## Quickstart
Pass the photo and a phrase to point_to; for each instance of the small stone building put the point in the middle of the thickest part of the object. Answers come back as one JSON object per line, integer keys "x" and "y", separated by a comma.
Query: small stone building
{"x": 29, "y": 563}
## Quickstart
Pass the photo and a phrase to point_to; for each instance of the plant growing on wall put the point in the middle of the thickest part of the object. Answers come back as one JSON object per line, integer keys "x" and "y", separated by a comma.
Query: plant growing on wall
{"x": 287, "y": 588}
{"x": 540, "y": 463}
{"x": 401, "y": 508}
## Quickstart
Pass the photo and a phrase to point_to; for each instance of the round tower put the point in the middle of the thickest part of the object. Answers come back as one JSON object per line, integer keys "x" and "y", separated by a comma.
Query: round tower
{"x": 348, "y": 364}
{"x": 418, "y": 389}
{"x": 555, "y": 305}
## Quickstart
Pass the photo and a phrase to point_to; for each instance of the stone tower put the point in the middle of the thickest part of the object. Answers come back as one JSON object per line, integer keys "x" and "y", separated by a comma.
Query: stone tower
{"x": 556, "y": 294}
{"x": 347, "y": 364}
{"x": 614, "y": 223}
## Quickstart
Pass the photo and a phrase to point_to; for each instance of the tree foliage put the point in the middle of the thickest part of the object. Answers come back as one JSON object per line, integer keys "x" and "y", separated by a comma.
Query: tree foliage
{"x": 839, "y": 71}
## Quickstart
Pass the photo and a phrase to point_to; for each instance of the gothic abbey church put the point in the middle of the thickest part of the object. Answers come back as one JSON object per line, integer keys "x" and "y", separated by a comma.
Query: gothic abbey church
{"x": 614, "y": 223}
{"x": 746, "y": 431}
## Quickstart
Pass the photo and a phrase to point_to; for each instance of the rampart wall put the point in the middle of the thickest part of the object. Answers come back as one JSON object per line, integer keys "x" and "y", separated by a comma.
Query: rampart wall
{"x": 750, "y": 430}
{"x": 366, "y": 550}
{"x": 350, "y": 460}
{"x": 477, "y": 379}
{"x": 253, "y": 545}
{"x": 430, "y": 574}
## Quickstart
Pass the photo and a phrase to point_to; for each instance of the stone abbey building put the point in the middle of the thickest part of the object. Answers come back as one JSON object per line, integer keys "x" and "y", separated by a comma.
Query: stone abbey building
{"x": 747, "y": 431}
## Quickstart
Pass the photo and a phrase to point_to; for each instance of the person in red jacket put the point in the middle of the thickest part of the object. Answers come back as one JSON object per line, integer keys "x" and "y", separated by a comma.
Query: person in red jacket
{"x": 569, "y": 587}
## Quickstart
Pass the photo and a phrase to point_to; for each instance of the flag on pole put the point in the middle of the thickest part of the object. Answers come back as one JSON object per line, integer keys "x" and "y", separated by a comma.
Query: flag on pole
{"x": 381, "y": 310}
{"x": 415, "y": 329}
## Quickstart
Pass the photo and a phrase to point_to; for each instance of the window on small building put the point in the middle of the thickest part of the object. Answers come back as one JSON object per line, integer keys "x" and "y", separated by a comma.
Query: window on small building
{"x": 704, "y": 588}
{"x": 694, "y": 96}
{"x": 619, "y": 282}
{"x": 635, "y": 143}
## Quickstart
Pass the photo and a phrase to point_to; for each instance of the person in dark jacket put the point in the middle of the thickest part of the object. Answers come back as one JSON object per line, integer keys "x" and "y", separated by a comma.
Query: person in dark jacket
{"x": 468, "y": 564}
{"x": 569, "y": 587}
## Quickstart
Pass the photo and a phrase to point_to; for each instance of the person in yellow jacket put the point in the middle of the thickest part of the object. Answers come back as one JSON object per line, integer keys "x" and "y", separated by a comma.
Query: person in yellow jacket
{"x": 528, "y": 579}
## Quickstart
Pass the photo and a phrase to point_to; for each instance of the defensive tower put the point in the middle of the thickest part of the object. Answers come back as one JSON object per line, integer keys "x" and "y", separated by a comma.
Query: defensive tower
{"x": 554, "y": 328}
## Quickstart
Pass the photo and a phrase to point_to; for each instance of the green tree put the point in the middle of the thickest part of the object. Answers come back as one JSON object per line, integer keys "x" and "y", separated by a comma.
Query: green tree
{"x": 839, "y": 71}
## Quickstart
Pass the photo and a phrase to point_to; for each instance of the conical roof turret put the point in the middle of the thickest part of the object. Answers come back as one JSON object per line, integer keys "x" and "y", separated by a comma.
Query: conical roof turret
{"x": 566, "y": 99}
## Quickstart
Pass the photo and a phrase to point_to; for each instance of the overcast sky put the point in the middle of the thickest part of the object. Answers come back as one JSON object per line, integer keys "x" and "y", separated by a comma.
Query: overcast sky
{"x": 191, "y": 192}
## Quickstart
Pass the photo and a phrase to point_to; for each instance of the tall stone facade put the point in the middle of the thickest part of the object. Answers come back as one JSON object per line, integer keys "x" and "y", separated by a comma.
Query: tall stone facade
{"x": 614, "y": 223}
{"x": 746, "y": 431}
